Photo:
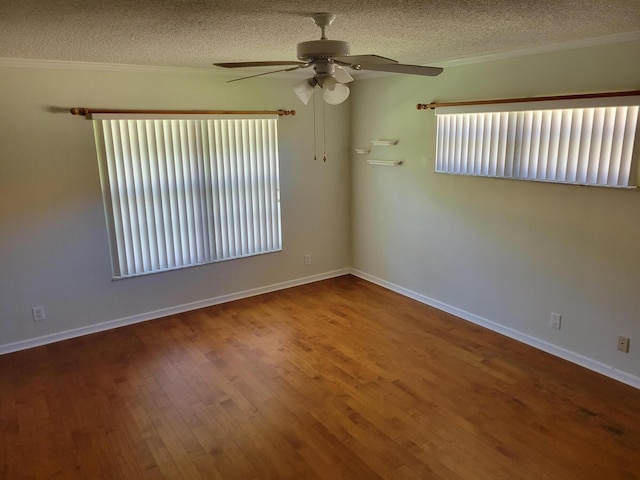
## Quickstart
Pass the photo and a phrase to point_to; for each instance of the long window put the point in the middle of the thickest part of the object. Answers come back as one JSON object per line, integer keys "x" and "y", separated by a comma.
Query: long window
{"x": 180, "y": 192}
{"x": 555, "y": 142}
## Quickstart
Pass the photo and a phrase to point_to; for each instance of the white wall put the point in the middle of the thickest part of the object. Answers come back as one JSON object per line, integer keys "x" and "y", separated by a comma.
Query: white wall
{"x": 53, "y": 241}
{"x": 502, "y": 251}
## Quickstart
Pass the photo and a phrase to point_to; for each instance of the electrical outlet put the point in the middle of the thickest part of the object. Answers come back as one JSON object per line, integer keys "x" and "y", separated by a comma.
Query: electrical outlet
{"x": 38, "y": 314}
{"x": 556, "y": 320}
{"x": 307, "y": 259}
{"x": 623, "y": 344}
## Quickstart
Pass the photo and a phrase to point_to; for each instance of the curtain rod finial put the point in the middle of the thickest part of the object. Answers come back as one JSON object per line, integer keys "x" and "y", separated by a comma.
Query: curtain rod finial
{"x": 78, "y": 111}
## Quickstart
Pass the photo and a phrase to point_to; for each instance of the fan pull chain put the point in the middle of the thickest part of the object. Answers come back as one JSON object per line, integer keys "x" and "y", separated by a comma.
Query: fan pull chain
{"x": 315, "y": 147}
{"x": 324, "y": 133}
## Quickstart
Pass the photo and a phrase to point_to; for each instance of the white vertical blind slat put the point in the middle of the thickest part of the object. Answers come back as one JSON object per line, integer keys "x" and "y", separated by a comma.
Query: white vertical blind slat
{"x": 609, "y": 118}
{"x": 450, "y": 145}
{"x": 244, "y": 158}
{"x": 143, "y": 185}
{"x": 178, "y": 208}
{"x": 154, "y": 206}
{"x": 188, "y": 227}
{"x": 471, "y": 162}
{"x": 175, "y": 238}
{"x": 110, "y": 144}
{"x": 617, "y": 142}
{"x": 564, "y": 140}
{"x": 485, "y": 158}
{"x": 479, "y": 145}
{"x": 252, "y": 185}
{"x": 595, "y": 149}
{"x": 518, "y": 119}
{"x": 161, "y": 197}
{"x": 458, "y": 131}
{"x": 543, "y": 145}
{"x": 573, "y": 163}
{"x": 208, "y": 218}
{"x": 501, "y": 147}
{"x": 555, "y": 124}
{"x": 235, "y": 227}
{"x": 274, "y": 225}
{"x": 585, "y": 146}
{"x": 626, "y": 156}
{"x": 216, "y": 145}
{"x": 127, "y": 190}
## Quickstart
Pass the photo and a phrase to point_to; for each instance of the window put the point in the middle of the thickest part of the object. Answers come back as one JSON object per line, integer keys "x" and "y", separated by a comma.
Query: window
{"x": 591, "y": 143}
{"x": 187, "y": 191}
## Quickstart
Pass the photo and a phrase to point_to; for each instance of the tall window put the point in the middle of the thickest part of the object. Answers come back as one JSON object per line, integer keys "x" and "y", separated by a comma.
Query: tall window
{"x": 180, "y": 192}
{"x": 587, "y": 142}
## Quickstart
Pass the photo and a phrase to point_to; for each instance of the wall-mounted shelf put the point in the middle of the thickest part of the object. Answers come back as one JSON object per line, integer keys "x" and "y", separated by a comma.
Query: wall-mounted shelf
{"x": 384, "y": 142}
{"x": 386, "y": 163}
{"x": 361, "y": 151}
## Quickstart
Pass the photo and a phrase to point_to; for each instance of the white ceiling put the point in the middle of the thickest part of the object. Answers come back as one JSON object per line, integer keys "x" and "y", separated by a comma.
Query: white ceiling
{"x": 196, "y": 33}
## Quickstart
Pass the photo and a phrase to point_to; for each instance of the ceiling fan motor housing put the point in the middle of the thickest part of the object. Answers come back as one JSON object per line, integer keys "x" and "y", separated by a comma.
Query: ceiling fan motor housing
{"x": 319, "y": 49}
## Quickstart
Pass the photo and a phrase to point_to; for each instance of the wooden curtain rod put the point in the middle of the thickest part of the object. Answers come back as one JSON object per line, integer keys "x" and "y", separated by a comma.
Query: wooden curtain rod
{"x": 87, "y": 112}
{"x": 431, "y": 106}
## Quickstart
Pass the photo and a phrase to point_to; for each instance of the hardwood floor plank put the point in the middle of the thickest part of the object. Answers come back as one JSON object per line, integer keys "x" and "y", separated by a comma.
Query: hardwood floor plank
{"x": 330, "y": 380}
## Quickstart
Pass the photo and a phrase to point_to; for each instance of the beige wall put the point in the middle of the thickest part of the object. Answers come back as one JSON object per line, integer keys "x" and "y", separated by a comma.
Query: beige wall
{"x": 53, "y": 241}
{"x": 502, "y": 251}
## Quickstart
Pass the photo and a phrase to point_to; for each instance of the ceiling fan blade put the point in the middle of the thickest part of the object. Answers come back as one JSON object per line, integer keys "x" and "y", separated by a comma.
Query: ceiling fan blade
{"x": 360, "y": 59}
{"x": 257, "y": 64}
{"x": 401, "y": 68}
{"x": 303, "y": 65}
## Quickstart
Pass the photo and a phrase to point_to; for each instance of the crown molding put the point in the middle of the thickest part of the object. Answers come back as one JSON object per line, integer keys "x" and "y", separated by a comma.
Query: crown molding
{"x": 553, "y": 47}
{"x": 104, "y": 67}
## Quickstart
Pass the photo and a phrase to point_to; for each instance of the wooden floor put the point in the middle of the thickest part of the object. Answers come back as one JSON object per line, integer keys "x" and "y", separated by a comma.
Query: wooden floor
{"x": 339, "y": 379}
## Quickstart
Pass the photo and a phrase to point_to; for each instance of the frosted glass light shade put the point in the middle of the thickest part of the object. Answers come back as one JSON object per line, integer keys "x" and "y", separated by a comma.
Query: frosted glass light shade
{"x": 304, "y": 90}
{"x": 334, "y": 93}
{"x": 342, "y": 76}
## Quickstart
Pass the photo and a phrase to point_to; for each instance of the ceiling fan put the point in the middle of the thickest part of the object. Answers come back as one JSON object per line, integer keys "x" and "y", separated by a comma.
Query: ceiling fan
{"x": 328, "y": 59}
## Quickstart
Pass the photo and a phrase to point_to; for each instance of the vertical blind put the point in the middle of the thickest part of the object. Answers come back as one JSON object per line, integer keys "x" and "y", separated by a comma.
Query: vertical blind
{"x": 589, "y": 146}
{"x": 180, "y": 192}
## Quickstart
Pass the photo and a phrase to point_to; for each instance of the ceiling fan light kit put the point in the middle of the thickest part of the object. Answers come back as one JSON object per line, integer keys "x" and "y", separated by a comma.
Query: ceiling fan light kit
{"x": 328, "y": 57}
{"x": 333, "y": 92}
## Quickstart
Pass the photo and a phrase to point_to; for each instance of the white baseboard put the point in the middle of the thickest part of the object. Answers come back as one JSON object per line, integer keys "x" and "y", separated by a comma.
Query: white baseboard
{"x": 143, "y": 317}
{"x": 568, "y": 355}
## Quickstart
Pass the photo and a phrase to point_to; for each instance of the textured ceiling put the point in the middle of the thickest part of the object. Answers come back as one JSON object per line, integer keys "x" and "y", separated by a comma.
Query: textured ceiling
{"x": 195, "y": 33}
